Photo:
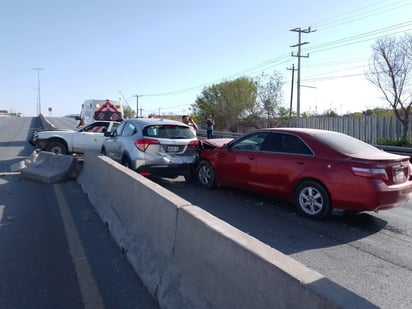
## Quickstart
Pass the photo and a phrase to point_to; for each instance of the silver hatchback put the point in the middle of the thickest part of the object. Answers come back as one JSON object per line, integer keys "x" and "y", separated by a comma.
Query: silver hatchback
{"x": 154, "y": 147}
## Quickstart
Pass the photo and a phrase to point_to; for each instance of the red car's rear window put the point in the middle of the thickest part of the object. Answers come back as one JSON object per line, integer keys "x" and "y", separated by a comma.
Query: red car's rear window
{"x": 346, "y": 144}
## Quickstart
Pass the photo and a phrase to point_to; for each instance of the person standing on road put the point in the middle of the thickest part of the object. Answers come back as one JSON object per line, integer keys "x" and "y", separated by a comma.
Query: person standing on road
{"x": 210, "y": 122}
{"x": 190, "y": 122}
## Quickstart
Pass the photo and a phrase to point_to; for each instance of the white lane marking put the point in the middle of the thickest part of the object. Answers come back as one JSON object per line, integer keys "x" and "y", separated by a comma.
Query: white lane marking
{"x": 9, "y": 173}
{"x": 88, "y": 287}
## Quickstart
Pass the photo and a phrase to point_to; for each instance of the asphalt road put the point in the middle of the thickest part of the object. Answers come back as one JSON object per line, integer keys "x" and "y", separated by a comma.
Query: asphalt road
{"x": 368, "y": 253}
{"x": 55, "y": 252}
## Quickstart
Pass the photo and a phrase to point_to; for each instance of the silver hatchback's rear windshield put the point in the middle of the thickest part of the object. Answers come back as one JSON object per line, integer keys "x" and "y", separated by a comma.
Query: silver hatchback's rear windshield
{"x": 168, "y": 131}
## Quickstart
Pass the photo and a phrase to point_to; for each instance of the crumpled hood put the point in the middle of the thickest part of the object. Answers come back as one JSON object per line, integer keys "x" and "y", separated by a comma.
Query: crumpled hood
{"x": 216, "y": 142}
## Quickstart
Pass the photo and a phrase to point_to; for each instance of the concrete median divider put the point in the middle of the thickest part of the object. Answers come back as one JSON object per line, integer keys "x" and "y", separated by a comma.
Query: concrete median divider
{"x": 188, "y": 258}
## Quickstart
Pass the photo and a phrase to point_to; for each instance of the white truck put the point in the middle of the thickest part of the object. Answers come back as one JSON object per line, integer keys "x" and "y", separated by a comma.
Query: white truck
{"x": 94, "y": 110}
{"x": 59, "y": 141}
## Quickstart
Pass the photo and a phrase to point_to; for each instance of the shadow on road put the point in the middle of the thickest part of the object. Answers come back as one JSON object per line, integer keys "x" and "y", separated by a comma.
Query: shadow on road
{"x": 275, "y": 222}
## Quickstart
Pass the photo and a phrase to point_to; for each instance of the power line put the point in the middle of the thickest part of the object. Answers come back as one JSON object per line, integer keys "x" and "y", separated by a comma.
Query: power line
{"x": 256, "y": 68}
{"x": 283, "y": 58}
{"x": 362, "y": 37}
{"x": 361, "y": 13}
{"x": 351, "y": 16}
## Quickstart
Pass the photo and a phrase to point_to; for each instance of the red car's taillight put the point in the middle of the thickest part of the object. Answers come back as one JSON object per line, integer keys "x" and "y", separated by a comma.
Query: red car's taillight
{"x": 194, "y": 143}
{"x": 378, "y": 173}
{"x": 410, "y": 170}
{"x": 143, "y": 143}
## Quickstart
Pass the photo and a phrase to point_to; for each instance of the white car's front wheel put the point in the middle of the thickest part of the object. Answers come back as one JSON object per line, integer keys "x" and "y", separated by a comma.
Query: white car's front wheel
{"x": 56, "y": 147}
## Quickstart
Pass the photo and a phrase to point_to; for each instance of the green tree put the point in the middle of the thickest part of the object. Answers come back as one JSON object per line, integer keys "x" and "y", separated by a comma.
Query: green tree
{"x": 128, "y": 112}
{"x": 228, "y": 102}
{"x": 378, "y": 112}
{"x": 269, "y": 93}
{"x": 286, "y": 113}
{"x": 330, "y": 113}
{"x": 356, "y": 114}
{"x": 390, "y": 70}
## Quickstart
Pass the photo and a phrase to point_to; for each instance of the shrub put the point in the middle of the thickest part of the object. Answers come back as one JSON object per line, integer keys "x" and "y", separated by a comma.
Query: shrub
{"x": 402, "y": 142}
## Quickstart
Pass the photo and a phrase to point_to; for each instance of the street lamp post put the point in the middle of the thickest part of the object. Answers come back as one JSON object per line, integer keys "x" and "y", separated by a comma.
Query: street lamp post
{"x": 38, "y": 89}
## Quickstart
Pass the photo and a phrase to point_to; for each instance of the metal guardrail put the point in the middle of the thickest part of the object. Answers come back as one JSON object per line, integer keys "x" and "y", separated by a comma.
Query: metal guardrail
{"x": 218, "y": 134}
{"x": 406, "y": 151}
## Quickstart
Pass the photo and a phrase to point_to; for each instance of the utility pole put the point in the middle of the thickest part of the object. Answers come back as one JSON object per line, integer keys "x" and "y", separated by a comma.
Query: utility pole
{"x": 291, "y": 89}
{"x": 38, "y": 90}
{"x": 299, "y": 55}
{"x": 137, "y": 105}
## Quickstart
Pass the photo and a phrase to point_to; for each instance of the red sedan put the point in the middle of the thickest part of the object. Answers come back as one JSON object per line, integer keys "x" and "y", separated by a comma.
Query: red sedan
{"x": 317, "y": 170}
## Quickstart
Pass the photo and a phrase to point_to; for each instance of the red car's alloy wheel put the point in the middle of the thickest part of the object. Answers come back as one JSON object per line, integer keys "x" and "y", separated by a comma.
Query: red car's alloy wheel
{"x": 312, "y": 200}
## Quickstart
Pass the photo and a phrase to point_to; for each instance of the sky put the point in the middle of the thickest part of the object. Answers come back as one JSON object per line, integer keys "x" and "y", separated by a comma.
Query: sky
{"x": 161, "y": 54}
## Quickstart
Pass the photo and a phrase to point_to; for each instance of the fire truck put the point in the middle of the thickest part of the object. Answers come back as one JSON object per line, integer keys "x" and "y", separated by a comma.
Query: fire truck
{"x": 93, "y": 110}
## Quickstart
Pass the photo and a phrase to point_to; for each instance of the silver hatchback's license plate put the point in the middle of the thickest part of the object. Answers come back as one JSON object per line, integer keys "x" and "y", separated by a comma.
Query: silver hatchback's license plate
{"x": 172, "y": 148}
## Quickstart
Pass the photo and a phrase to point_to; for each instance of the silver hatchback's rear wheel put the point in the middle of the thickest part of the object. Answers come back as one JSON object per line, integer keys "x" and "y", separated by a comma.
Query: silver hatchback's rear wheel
{"x": 312, "y": 200}
{"x": 206, "y": 175}
{"x": 126, "y": 162}
{"x": 190, "y": 175}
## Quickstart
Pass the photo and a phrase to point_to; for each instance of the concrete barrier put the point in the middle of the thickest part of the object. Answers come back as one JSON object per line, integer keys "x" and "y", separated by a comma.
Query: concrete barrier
{"x": 49, "y": 167}
{"x": 188, "y": 258}
{"x": 17, "y": 167}
{"x": 45, "y": 123}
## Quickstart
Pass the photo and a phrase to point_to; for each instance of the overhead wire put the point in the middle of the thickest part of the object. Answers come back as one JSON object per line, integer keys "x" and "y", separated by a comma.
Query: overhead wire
{"x": 362, "y": 37}
{"x": 351, "y": 16}
{"x": 361, "y": 13}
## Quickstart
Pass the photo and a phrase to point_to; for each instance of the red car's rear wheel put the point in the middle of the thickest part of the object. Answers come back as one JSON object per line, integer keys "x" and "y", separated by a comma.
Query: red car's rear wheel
{"x": 312, "y": 200}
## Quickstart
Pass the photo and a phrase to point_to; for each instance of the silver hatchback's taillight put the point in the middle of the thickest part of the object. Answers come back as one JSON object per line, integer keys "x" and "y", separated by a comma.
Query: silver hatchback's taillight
{"x": 144, "y": 143}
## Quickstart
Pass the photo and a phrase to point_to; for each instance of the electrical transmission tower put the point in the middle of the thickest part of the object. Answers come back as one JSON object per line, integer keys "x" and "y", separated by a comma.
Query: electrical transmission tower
{"x": 299, "y": 55}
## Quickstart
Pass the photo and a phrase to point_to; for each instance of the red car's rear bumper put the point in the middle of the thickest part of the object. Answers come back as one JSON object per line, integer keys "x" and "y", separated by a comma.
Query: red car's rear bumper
{"x": 393, "y": 196}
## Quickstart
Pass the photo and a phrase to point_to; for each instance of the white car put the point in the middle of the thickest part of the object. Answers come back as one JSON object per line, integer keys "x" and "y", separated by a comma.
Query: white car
{"x": 89, "y": 137}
